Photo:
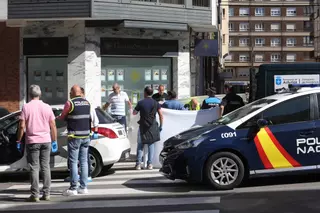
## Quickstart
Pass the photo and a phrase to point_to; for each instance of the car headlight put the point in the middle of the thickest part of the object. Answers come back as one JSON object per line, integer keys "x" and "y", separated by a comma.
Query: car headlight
{"x": 193, "y": 142}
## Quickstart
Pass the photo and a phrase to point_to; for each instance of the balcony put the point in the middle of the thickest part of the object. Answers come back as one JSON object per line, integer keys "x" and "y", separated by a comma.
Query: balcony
{"x": 196, "y": 13}
{"x": 270, "y": 2}
{"x": 269, "y": 48}
{"x": 270, "y": 33}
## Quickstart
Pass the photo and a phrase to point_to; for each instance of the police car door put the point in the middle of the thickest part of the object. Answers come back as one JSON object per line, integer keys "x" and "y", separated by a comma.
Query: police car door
{"x": 289, "y": 139}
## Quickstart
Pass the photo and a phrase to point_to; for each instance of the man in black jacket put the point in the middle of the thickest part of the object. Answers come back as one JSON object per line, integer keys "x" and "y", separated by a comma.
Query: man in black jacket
{"x": 149, "y": 131}
{"x": 231, "y": 101}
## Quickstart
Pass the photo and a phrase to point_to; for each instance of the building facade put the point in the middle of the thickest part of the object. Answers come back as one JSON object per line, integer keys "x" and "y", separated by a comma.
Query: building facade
{"x": 316, "y": 25}
{"x": 98, "y": 43}
{"x": 267, "y": 31}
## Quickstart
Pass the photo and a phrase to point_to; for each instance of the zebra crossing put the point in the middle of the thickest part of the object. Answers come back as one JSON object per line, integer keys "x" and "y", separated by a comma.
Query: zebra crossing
{"x": 123, "y": 189}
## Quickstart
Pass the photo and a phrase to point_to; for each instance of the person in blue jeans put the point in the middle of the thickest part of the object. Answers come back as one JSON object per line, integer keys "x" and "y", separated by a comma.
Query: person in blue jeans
{"x": 77, "y": 113}
{"x": 95, "y": 122}
{"x": 149, "y": 131}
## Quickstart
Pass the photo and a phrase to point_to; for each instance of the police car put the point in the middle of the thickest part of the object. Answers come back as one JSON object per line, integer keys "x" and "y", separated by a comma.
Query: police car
{"x": 279, "y": 133}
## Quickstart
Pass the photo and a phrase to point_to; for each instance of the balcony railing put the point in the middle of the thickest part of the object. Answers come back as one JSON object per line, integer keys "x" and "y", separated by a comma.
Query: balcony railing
{"x": 201, "y": 3}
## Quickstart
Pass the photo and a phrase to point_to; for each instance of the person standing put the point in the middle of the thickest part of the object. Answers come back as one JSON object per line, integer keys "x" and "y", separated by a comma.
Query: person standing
{"x": 161, "y": 96}
{"x": 149, "y": 129}
{"x": 212, "y": 100}
{"x": 231, "y": 101}
{"x": 77, "y": 113}
{"x": 38, "y": 121}
{"x": 95, "y": 124}
{"x": 118, "y": 100}
{"x": 173, "y": 103}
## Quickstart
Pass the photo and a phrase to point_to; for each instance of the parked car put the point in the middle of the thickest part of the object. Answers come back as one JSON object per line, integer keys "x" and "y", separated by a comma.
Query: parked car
{"x": 111, "y": 146}
{"x": 273, "y": 135}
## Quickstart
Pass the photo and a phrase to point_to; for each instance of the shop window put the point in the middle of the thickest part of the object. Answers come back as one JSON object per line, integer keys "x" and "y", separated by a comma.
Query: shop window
{"x": 50, "y": 73}
{"x": 134, "y": 74}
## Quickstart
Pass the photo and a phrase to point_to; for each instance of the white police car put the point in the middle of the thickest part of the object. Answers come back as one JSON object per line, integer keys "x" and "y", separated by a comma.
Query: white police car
{"x": 111, "y": 146}
{"x": 278, "y": 133}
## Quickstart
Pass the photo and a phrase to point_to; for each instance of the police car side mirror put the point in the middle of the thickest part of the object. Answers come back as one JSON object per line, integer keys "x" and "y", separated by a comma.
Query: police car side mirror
{"x": 262, "y": 123}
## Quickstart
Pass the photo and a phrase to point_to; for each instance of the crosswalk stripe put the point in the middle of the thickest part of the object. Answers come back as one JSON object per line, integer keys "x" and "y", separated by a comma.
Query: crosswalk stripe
{"x": 114, "y": 203}
{"x": 102, "y": 183}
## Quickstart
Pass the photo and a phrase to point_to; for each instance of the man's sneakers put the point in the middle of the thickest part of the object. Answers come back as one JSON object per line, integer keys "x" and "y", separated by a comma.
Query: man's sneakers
{"x": 83, "y": 191}
{"x": 45, "y": 198}
{"x": 68, "y": 179}
{"x": 33, "y": 199}
{"x": 70, "y": 192}
{"x": 138, "y": 167}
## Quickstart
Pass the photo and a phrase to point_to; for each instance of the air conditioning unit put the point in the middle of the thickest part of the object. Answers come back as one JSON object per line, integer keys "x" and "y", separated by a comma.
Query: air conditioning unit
{"x": 16, "y": 23}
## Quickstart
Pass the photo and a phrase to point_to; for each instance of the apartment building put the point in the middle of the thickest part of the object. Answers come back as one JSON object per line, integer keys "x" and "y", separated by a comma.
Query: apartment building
{"x": 316, "y": 25}
{"x": 267, "y": 31}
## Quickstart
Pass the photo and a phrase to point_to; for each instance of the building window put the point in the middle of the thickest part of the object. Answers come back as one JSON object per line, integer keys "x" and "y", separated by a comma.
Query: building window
{"x": 259, "y": 11}
{"x": 243, "y": 57}
{"x": 259, "y": 27}
{"x": 244, "y": 11}
{"x": 307, "y": 25}
{"x": 275, "y": 42}
{"x": 231, "y": 42}
{"x": 231, "y": 27}
{"x": 275, "y": 57}
{"x": 260, "y": 42}
{"x": 275, "y": 27}
{"x": 231, "y": 11}
{"x": 275, "y": 12}
{"x": 291, "y": 11}
{"x": 291, "y": 42}
{"x": 291, "y": 57}
{"x": 291, "y": 27}
{"x": 244, "y": 26}
{"x": 259, "y": 57}
{"x": 229, "y": 58}
{"x": 244, "y": 42}
{"x": 307, "y": 10}
{"x": 307, "y": 41}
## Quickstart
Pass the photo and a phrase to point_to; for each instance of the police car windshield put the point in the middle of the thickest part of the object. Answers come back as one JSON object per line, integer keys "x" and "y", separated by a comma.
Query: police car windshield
{"x": 245, "y": 110}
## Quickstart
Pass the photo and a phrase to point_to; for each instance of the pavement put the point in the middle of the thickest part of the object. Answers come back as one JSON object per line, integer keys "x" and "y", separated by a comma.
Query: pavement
{"x": 125, "y": 190}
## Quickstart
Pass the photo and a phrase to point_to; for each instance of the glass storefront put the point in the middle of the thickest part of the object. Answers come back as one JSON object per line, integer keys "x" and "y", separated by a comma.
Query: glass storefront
{"x": 134, "y": 74}
{"x": 50, "y": 73}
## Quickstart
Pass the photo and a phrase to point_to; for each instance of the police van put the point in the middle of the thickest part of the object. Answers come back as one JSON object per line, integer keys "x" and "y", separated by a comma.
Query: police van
{"x": 275, "y": 134}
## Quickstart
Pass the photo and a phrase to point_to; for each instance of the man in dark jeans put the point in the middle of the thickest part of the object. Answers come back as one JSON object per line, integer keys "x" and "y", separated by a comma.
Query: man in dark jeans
{"x": 95, "y": 122}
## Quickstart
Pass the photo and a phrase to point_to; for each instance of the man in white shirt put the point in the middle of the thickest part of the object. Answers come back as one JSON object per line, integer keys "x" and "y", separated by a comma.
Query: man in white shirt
{"x": 118, "y": 100}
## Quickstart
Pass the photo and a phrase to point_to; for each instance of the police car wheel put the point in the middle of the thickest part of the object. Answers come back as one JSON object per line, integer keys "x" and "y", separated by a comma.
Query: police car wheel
{"x": 95, "y": 162}
{"x": 225, "y": 170}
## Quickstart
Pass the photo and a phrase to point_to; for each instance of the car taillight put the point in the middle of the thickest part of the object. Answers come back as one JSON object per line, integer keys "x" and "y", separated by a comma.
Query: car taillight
{"x": 109, "y": 133}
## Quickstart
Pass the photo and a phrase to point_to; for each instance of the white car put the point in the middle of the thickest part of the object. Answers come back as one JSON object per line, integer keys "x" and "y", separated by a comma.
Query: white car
{"x": 111, "y": 146}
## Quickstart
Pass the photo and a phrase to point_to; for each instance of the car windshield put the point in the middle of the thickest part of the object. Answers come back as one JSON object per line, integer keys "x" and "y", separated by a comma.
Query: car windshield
{"x": 245, "y": 110}
{"x": 104, "y": 118}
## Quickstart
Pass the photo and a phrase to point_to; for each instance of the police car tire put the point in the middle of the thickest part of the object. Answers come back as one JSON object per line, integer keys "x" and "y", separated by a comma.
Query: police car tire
{"x": 99, "y": 165}
{"x": 236, "y": 159}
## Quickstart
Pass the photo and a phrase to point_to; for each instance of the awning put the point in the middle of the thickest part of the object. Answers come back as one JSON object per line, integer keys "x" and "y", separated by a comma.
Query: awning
{"x": 155, "y": 25}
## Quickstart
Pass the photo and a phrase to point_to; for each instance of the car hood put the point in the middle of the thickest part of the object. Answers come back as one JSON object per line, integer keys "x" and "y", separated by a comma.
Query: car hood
{"x": 191, "y": 133}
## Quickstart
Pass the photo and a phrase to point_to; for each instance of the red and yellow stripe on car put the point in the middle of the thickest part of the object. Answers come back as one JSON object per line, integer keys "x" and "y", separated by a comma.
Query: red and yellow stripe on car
{"x": 271, "y": 153}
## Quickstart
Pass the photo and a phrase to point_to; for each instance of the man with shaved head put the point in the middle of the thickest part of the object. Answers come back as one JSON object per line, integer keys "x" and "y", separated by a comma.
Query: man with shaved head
{"x": 118, "y": 100}
{"x": 78, "y": 114}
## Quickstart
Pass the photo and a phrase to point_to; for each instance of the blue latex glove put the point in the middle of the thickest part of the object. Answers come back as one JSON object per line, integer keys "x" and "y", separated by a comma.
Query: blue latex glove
{"x": 19, "y": 146}
{"x": 54, "y": 146}
{"x": 95, "y": 135}
{"x": 160, "y": 128}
